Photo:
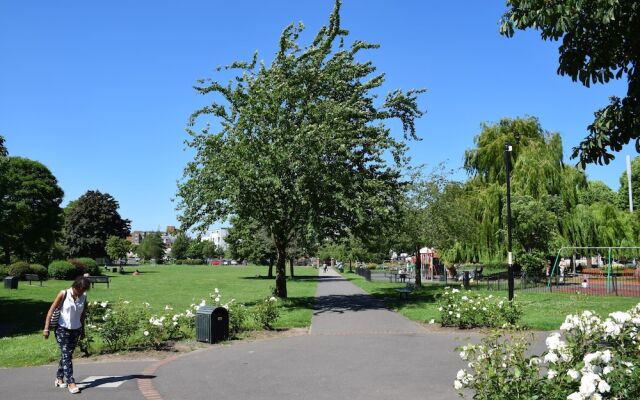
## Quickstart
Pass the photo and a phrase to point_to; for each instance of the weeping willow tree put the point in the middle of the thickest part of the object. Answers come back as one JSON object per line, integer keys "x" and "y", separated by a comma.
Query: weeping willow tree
{"x": 539, "y": 175}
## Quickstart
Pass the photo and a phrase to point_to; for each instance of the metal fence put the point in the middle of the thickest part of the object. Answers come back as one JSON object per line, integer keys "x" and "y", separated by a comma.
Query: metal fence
{"x": 364, "y": 272}
{"x": 599, "y": 284}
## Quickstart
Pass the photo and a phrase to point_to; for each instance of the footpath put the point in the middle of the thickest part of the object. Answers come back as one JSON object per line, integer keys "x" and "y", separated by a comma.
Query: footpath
{"x": 356, "y": 349}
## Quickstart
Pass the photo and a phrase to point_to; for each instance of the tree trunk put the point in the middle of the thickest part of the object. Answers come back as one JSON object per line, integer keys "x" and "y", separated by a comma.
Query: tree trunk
{"x": 418, "y": 271}
{"x": 7, "y": 256}
{"x": 350, "y": 270}
{"x": 270, "y": 273}
{"x": 291, "y": 267}
{"x": 281, "y": 271}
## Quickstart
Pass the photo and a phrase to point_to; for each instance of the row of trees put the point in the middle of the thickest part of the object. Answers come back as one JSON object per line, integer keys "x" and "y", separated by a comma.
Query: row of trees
{"x": 33, "y": 226}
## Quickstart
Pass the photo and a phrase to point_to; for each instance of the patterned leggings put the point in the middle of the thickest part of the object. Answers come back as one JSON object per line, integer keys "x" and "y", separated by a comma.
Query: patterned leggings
{"x": 67, "y": 340}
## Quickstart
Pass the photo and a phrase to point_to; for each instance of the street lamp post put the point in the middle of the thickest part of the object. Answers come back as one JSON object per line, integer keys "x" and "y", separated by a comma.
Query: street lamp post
{"x": 507, "y": 160}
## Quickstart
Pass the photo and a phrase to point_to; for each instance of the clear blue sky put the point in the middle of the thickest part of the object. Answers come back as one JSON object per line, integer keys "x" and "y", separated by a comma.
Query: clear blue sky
{"x": 100, "y": 91}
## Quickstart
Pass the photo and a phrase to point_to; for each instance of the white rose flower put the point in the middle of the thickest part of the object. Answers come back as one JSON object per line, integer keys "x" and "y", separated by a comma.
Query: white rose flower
{"x": 620, "y": 317}
{"x": 573, "y": 374}
{"x": 607, "y": 370}
{"x": 551, "y": 357}
{"x": 455, "y": 290}
{"x": 575, "y": 396}
{"x": 553, "y": 341}
{"x": 603, "y": 387}
{"x": 216, "y": 290}
{"x": 432, "y": 321}
{"x": 552, "y": 374}
{"x": 104, "y": 304}
{"x": 457, "y": 384}
{"x": 146, "y": 333}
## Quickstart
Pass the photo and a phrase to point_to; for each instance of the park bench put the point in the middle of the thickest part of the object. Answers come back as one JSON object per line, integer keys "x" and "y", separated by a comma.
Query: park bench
{"x": 98, "y": 279}
{"x": 33, "y": 277}
{"x": 405, "y": 291}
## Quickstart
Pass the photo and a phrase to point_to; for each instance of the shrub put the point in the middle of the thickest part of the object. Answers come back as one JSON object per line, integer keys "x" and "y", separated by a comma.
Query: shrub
{"x": 19, "y": 269}
{"x": 4, "y": 271}
{"x": 62, "y": 269}
{"x": 238, "y": 319}
{"x": 40, "y": 270}
{"x": 590, "y": 358}
{"x": 120, "y": 323}
{"x": 266, "y": 313}
{"x": 90, "y": 265}
{"x": 466, "y": 310}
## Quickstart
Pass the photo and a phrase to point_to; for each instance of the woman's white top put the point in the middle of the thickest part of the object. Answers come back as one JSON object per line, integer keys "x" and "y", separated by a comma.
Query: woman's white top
{"x": 71, "y": 310}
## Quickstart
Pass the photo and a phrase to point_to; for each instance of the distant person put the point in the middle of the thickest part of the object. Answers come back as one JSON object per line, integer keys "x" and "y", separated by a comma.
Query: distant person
{"x": 585, "y": 284}
{"x": 72, "y": 304}
{"x": 324, "y": 267}
{"x": 402, "y": 274}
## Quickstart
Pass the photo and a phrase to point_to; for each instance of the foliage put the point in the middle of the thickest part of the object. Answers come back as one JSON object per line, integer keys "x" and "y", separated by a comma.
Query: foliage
{"x": 86, "y": 265}
{"x": 239, "y": 316}
{"x": 533, "y": 224}
{"x": 599, "y": 192}
{"x": 466, "y": 309}
{"x": 117, "y": 248}
{"x": 93, "y": 218}
{"x": 599, "y": 44}
{"x": 298, "y": 138}
{"x": 180, "y": 246}
{"x": 190, "y": 261}
{"x": 62, "y": 269}
{"x": 266, "y": 312}
{"x": 151, "y": 247}
{"x": 39, "y": 270}
{"x": 590, "y": 358}
{"x": 195, "y": 249}
{"x": 623, "y": 191}
{"x": 19, "y": 269}
{"x": 4, "y": 270}
{"x": 122, "y": 320}
{"x": 30, "y": 213}
{"x": 532, "y": 262}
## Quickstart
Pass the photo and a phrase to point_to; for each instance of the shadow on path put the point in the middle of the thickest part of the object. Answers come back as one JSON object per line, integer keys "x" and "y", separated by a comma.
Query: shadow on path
{"x": 352, "y": 302}
{"x": 112, "y": 379}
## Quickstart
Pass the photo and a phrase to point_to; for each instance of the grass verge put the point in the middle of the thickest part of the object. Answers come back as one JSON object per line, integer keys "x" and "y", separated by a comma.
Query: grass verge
{"x": 22, "y": 311}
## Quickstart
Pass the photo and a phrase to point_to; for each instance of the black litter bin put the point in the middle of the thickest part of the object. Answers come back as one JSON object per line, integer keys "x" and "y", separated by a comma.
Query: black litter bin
{"x": 212, "y": 324}
{"x": 11, "y": 282}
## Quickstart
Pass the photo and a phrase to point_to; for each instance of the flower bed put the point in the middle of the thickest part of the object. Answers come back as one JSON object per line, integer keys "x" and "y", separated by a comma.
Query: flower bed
{"x": 123, "y": 325}
{"x": 466, "y": 309}
{"x": 590, "y": 358}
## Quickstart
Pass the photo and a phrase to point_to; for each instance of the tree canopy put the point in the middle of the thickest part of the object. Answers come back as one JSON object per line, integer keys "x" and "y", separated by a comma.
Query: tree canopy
{"x": 30, "y": 213}
{"x": 92, "y": 219}
{"x": 300, "y": 144}
{"x": 600, "y": 43}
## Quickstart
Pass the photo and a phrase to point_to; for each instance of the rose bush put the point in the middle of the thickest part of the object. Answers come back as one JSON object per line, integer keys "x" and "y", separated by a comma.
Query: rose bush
{"x": 591, "y": 358}
{"x": 466, "y": 309}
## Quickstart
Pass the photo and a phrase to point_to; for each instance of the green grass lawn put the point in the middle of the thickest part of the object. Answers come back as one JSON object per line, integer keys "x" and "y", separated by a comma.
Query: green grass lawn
{"x": 22, "y": 311}
{"x": 542, "y": 310}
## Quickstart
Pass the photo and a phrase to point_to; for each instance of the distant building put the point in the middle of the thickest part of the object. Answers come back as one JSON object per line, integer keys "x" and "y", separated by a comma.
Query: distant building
{"x": 168, "y": 237}
{"x": 217, "y": 236}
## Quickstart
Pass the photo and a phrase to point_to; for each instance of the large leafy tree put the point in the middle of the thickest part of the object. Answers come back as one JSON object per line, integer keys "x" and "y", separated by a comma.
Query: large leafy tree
{"x": 151, "y": 247}
{"x": 93, "y": 218}
{"x": 301, "y": 144}
{"x": 117, "y": 248}
{"x": 180, "y": 246}
{"x": 30, "y": 213}
{"x": 600, "y": 43}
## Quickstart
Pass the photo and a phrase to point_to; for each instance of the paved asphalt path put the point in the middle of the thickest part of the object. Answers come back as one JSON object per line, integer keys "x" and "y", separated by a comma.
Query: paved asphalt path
{"x": 356, "y": 349}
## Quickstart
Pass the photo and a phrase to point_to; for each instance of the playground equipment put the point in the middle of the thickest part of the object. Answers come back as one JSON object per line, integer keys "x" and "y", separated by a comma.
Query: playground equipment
{"x": 610, "y": 278}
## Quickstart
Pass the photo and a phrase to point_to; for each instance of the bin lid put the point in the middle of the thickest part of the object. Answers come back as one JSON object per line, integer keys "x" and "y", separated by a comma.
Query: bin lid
{"x": 207, "y": 310}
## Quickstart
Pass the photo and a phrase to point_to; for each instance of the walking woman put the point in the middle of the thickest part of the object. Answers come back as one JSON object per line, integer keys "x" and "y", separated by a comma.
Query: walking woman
{"x": 72, "y": 303}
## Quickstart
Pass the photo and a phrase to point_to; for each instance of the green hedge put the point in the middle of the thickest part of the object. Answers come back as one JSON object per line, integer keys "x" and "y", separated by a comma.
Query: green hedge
{"x": 4, "y": 271}
{"x": 87, "y": 265}
{"x": 190, "y": 261}
{"x": 62, "y": 269}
